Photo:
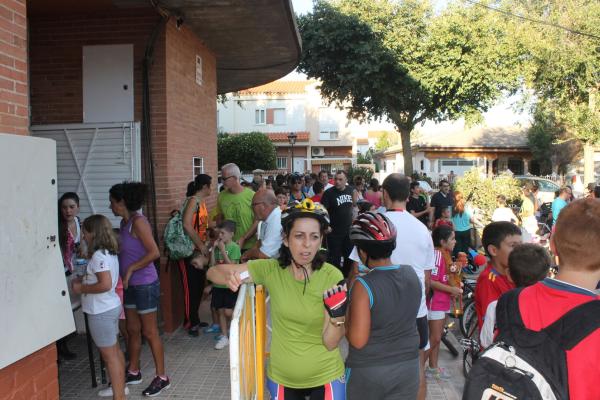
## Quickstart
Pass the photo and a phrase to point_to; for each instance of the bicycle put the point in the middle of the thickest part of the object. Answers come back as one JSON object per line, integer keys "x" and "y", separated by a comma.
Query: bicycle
{"x": 449, "y": 345}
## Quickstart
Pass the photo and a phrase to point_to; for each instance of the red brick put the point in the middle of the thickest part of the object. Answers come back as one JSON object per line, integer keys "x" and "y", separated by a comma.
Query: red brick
{"x": 6, "y": 13}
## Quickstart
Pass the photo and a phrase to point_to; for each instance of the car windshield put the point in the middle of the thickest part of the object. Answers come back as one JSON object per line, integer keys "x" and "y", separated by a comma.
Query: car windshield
{"x": 547, "y": 186}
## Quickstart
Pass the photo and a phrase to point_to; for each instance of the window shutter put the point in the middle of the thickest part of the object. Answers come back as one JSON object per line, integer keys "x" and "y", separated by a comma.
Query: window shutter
{"x": 270, "y": 115}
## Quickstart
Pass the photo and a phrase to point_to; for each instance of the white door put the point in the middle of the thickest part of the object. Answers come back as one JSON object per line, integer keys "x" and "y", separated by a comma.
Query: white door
{"x": 34, "y": 302}
{"x": 299, "y": 165}
{"x": 108, "y": 83}
{"x": 93, "y": 157}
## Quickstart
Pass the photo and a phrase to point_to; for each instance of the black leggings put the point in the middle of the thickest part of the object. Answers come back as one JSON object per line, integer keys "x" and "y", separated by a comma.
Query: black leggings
{"x": 193, "y": 281}
{"x": 463, "y": 241}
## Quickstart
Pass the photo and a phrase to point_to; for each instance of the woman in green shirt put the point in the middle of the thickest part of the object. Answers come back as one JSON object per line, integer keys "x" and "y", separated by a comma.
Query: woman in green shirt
{"x": 305, "y": 359}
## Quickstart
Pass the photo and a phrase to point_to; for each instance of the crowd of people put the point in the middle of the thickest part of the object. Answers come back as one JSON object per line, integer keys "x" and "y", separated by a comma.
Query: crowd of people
{"x": 362, "y": 261}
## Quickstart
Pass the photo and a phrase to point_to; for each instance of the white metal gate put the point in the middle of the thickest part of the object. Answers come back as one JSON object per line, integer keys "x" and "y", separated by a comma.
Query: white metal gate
{"x": 93, "y": 157}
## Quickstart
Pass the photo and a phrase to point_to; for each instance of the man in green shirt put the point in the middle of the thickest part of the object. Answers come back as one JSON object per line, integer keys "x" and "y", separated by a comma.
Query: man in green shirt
{"x": 235, "y": 203}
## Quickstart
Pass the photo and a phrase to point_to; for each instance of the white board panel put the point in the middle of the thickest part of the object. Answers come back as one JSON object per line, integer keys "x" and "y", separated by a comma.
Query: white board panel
{"x": 108, "y": 83}
{"x": 34, "y": 303}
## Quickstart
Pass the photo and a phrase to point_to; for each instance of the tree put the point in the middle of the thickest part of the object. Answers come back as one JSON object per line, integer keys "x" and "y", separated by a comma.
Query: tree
{"x": 550, "y": 143}
{"x": 482, "y": 192}
{"x": 395, "y": 59}
{"x": 563, "y": 58}
{"x": 248, "y": 150}
{"x": 386, "y": 140}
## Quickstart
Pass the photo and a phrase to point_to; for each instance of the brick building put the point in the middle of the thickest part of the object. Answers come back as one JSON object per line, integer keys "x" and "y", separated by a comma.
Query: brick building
{"x": 128, "y": 90}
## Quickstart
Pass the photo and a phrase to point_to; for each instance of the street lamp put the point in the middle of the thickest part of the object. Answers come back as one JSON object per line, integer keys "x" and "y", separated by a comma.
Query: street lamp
{"x": 292, "y": 136}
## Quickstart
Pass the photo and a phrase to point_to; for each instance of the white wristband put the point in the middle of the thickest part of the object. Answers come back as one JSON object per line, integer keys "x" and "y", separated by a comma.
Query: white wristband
{"x": 244, "y": 275}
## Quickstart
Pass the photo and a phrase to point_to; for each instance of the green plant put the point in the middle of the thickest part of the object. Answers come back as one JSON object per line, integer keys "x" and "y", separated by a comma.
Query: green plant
{"x": 248, "y": 150}
{"x": 481, "y": 192}
{"x": 366, "y": 173}
{"x": 366, "y": 158}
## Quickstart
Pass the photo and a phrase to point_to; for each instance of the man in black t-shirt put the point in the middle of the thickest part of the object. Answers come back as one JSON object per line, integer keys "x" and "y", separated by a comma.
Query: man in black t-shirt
{"x": 440, "y": 200}
{"x": 417, "y": 203}
{"x": 340, "y": 206}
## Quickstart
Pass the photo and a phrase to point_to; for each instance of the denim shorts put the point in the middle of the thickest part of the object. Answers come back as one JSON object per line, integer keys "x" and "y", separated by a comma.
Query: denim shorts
{"x": 143, "y": 298}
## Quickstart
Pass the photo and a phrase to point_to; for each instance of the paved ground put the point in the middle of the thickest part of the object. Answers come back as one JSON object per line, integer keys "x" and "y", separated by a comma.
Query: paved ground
{"x": 198, "y": 371}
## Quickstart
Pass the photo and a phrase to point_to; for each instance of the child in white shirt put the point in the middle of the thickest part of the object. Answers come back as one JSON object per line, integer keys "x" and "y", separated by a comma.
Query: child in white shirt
{"x": 100, "y": 301}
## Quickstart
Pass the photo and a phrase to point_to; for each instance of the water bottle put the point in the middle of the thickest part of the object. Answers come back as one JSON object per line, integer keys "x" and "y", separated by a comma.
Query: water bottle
{"x": 80, "y": 266}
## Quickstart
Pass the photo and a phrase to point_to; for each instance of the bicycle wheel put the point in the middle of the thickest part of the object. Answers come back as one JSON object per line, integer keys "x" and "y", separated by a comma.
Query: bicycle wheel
{"x": 449, "y": 345}
{"x": 468, "y": 319}
{"x": 467, "y": 361}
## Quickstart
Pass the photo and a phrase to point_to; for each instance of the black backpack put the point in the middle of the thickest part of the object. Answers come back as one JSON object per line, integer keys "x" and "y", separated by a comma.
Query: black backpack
{"x": 525, "y": 364}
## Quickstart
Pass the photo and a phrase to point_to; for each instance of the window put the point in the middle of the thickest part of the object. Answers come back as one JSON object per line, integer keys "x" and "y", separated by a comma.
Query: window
{"x": 279, "y": 116}
{"x": 198, "y": 70}
{"x": 197, "y": 166}
{"x": 454, "y": 163}
{"x": 282, "y": 162}
{"x": 328, "y": 135}
{"x": 260, "y": 116}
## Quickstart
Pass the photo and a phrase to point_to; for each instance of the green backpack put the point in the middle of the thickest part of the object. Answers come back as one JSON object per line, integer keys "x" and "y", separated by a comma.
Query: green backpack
{"x": 177, "y": 242}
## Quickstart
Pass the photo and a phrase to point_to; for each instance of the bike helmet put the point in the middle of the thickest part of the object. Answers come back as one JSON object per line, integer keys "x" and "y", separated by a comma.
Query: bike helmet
{"x": 372, "y": 228}
{"x": 305, "y": 208}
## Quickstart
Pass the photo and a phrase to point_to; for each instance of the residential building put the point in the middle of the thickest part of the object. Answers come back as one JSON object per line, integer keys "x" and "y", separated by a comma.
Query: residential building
{"x": 127, "y": 89}
{"x": 490, "y": 149}
{"x": 325, "y": 138}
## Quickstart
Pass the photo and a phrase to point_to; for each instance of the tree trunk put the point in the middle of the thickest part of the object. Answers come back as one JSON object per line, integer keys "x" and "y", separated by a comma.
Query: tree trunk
{"x": 406, "y": 150}
{"x": 588, "y": 163}
{"x": 405, "y": 127}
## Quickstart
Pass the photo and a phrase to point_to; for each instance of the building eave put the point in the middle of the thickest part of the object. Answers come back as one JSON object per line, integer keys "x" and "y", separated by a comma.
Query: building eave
{"x": 255, "y": 42}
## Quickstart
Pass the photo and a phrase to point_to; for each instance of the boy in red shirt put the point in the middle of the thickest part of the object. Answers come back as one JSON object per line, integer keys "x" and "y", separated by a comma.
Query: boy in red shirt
{"x": 579, "y": 272}
{"x": 499, "y": 239}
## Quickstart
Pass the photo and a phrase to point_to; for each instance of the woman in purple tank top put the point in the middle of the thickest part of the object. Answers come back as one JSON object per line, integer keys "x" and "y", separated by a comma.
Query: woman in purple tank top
{"x": 137, "y": 252}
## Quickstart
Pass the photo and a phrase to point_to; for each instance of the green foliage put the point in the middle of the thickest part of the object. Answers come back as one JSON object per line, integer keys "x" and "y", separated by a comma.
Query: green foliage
{"x": 396, "y": 59}
{"x": 248, "y": 150}
{"x": 366, "y": 158}
{"x": 366, "y": 173}
{"x": 386, "y": 140}
{"x": 563, "y": 68}
{"x": 481, "y": 192}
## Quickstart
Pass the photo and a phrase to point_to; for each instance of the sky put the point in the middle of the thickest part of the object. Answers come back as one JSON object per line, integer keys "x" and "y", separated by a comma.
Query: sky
{"x": 502, "y": 114}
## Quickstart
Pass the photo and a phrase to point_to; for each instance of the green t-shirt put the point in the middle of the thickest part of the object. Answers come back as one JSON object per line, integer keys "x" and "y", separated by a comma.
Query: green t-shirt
{"x": 233, "y": 252}
{"x": 238, "y": 208}
{"x": 298, "y": 357}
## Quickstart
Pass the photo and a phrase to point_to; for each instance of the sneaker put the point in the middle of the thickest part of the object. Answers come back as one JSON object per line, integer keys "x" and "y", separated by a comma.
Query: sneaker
{"x": 214, "y": 328}
{"x": 157, "y": 386}
{"x": 222, "y": 343}
{"x": 107, "y": 391}
{"x": 133, "y": 379}
{"x": 439, "y": 373}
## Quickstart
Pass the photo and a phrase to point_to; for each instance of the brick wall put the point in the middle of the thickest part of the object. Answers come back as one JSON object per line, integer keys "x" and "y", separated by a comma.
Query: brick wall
{"x": 14, "y": 116}
{"x": 191, "y": 126}
{"x": 56, "y": 46}
{"x": 34, "y": 377}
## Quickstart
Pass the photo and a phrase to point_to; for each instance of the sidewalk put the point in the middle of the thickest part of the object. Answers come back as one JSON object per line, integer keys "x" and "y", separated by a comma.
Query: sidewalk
{"x": 198, "y": 371}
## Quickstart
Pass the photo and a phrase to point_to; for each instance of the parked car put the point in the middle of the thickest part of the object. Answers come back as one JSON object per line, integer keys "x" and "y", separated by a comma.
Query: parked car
{"x": 547, "y": 187}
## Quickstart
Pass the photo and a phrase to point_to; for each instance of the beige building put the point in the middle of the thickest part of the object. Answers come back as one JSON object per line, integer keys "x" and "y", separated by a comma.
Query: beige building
{"x": 325, "y": 137}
